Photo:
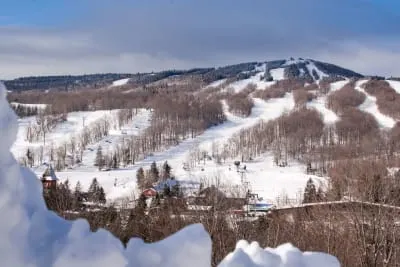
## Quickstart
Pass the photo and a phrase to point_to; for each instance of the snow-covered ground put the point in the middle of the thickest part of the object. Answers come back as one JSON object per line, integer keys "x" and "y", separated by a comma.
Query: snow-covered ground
{"x": 216, "y": 83}
{"x": 338, "y": 85}
{"x": 33, "y": 236}
{"x": 265, "y": 179}
{"x": 320, "y": 104}
{"x": 395, "y": 85}
{"x": 108, "y": 144}
{"x": 262, "y": 177}
{"x": 371, "y": 107}
{"x": 38, "y": 106}
{"x": 278, "y": 74}
{"x": 328, "y": 115}
{"x": 63, "y": 132}
{"x": 176, "y": 156}
{"x": 311, "y": 67}
{"x": 257, "y": 79}
{"x": 120, "y": 82}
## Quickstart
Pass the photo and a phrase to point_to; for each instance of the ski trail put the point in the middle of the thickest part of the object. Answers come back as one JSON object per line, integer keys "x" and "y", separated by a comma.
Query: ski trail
{"x": 371, "y": 107}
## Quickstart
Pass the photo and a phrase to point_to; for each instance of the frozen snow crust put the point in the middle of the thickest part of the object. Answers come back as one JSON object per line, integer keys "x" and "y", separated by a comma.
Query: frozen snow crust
{"x": 32, "y": 236}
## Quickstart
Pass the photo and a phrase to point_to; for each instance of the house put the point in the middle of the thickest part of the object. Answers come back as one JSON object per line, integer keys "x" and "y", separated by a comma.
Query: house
{"x": 212, "y": 193}
{"x": 218, "y": 198}
{"x": 149, "y": 193}
{"x": 170, "y": 182}
{"x": 49, "y": 179}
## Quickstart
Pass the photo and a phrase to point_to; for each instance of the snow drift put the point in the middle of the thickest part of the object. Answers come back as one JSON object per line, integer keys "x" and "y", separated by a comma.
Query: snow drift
{"x": 32, "y": 236}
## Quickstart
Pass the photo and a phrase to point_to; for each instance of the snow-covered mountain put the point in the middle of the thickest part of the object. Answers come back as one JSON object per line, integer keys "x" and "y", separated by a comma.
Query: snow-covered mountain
{"x": 308, "y": 69}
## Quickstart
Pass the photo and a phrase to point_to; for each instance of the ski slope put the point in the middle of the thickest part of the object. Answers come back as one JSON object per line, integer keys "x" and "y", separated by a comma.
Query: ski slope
{"x": 278, "y": 74}
{"x": 63, "y": 132}
{"x": 262, "y": 177}
{"x": 216, "y": 83}
{"x": 320, "y": 104}
{"x": 120, "y": 82}
{"x": 120, "y": 184}
{"x": 257, "y": 79}
{"x": 371, "y": 107}
{"x": 109, "y": 143}
{"x": 395, "y": 85}
{"x": 311, "y": 67}
{"x": 337, "y": 85}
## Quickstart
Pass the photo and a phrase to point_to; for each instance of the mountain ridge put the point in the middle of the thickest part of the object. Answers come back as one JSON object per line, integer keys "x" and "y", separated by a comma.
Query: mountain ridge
{"x": 308, "y": 69}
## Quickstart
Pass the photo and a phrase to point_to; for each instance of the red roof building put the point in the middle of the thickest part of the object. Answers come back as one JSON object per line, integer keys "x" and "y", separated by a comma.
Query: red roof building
{"x": 149, "y": 193}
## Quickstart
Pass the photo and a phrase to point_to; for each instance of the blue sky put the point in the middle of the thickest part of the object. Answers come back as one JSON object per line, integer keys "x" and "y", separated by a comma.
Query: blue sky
{"x": 86, "y": 36}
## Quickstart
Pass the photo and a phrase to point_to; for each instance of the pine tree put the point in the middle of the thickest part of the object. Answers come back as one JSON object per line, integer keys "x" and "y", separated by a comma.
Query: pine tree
{"x": 154, "y": 173}
{"x": 29, "y": 156}
{"x": 166, "y": 191}
{"x": 101, "y": 195}
{"x": 176, "y": 190}
{"x": 310, "y": 192}
{"x": 320, "y": 194}
{"x": 64, "y": 196}
{"x": 99, "y": 161}
{"x": 115, "y": 162}
{"x": 157, "y": 201}
{"x": 140, "y": 179}
{"x": 93, "y": 190}
{"x": 78, "y": 189}
{"x": 166, "y": 171}
{"x": 77, "y": 197}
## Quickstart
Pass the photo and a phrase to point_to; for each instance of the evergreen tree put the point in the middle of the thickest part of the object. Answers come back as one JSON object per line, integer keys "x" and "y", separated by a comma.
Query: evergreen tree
{"x": 166, "y": 191}
{"x": 157, "y": 201}
{"x": 115, "y": 162}
{"x": 320, "y": 195}
{"x": 101, "y": 195}
{"x": 99, "y": 161}
{"x": 140, "y": 179}
{"x": 176, "y": 190}
{"x": 310, "y": 192}
{"x": 154, "y": 173}
{"x": 166, "y": 171}
{"x": 61, "y": 197}
{"x": 29, "y": 156}
{"x": 77, "y": 197}
{"x": 93, "y": 190}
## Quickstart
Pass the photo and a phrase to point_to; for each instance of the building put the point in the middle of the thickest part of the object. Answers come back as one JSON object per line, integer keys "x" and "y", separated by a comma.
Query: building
{"x": 149, "y": 193}
{"x": 49, "y": 179}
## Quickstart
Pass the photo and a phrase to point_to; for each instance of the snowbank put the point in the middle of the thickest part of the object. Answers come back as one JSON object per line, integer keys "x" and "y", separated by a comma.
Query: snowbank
{"x": 252, "y": 255}
{"x": 32, "y": 236}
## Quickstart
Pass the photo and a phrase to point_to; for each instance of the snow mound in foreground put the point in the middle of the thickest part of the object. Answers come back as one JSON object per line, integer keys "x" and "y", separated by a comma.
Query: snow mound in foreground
{"x": 32, "y": 236}
{"x": 252, "y": 255}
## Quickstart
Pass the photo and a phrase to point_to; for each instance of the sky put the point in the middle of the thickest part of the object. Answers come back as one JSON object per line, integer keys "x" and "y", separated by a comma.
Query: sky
{"x": 47, "y": 37}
